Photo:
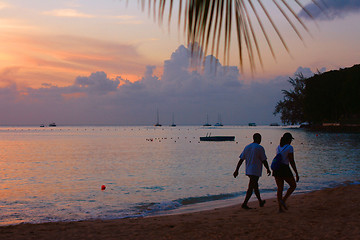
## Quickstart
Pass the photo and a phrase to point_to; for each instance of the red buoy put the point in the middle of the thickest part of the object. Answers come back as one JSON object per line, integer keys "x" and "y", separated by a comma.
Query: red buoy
{"x": 103, "y": 187}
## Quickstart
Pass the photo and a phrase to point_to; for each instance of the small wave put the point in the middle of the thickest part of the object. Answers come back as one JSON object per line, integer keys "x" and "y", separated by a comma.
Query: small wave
{"x": 153, "y": 208}
{"x": 156, "y": 207}
{"x": 207, "y": 198}
{"x": 154, "y": 188}
{"x": 340, "y": 184}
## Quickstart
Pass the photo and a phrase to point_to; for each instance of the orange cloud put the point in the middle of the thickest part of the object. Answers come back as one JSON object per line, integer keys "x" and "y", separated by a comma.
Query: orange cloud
{"x": 45, "y": 58}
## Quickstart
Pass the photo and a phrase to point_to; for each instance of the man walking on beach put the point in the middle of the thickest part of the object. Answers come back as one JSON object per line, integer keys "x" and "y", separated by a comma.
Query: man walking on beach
{"x": 255, "y": 157}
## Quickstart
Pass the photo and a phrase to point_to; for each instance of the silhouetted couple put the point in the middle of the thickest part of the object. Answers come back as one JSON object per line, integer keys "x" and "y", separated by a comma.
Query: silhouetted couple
{"x": 254, "y": 157}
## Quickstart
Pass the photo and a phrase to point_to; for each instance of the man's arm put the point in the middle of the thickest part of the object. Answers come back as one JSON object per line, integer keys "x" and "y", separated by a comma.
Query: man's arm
{"x": 236, "y": 173}
{"x": 266, "y": 165}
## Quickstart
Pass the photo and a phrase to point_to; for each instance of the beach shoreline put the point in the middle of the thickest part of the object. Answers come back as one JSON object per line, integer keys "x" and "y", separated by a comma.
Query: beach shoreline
{"x": 332, "y": 213}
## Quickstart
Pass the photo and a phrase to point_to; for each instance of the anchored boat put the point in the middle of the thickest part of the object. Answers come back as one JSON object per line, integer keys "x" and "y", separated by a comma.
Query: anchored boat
{"x": 217, "y": 138}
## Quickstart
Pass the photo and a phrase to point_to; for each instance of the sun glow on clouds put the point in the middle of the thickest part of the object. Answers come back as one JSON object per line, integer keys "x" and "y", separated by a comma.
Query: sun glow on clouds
{"x": 55, "y": 41}
{"x": 73, "y": 13}
{"x": 13, "y": 24}
{"x": 127, "y": 20}
{"x": 4, "y": 5}
{"x": 68, "y": 13}
{"x": 44, "y": 58}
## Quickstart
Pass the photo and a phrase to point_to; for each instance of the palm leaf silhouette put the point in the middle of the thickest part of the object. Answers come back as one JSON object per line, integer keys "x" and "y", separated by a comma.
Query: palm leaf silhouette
{"x": 208, "y": 24}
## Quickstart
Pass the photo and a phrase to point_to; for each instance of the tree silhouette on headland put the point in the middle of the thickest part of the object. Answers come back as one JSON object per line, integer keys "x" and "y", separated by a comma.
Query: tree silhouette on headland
{"x": 331, "y": 97}
{"x": 291, "y": 108}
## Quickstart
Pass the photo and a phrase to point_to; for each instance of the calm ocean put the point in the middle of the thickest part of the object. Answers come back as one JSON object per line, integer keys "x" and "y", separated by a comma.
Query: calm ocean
{"x": 55, "y": 174}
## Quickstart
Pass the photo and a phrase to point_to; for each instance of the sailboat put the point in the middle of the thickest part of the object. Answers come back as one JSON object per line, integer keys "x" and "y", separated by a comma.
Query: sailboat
{"x": 219, "y": 123}
{"x": 157, "y": 119}
{"x": 173, "y": 123}
{"x": 207, "y": 121}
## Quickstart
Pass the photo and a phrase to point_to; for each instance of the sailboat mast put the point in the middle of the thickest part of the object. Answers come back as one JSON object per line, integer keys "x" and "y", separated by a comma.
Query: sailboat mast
{"x": 173, "y": 121}
{"x": 157, "y": 119}
{"x": 207, "y": 121}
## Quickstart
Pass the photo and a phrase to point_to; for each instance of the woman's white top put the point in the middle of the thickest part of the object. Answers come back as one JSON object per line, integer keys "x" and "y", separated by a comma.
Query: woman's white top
{"x": 284, "y": 151}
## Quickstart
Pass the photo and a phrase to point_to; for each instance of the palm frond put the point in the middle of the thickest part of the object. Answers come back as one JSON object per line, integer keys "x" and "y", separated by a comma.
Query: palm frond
{"x": 208, "y": 24}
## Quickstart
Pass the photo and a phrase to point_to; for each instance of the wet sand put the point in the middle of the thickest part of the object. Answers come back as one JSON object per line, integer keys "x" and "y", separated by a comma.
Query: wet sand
{"x": 326, "y": 214}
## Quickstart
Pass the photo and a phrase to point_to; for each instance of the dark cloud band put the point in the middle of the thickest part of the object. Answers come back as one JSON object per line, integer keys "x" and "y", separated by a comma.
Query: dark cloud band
{"x": 330, "y": 9}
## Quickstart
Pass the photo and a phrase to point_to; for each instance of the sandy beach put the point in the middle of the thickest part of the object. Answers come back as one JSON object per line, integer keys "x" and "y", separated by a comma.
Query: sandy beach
{"x": 326, "y": 214}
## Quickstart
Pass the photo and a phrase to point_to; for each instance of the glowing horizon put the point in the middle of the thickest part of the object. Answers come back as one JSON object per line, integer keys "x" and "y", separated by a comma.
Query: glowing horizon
{"x": 56, "y": 42}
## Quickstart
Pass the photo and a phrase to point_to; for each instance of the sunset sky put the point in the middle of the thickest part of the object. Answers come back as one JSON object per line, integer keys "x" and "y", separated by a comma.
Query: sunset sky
{"x": 108, "y": 62}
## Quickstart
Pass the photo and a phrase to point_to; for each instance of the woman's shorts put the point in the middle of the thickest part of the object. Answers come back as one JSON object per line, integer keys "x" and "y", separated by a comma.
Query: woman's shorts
{"x": 284, "y": 171}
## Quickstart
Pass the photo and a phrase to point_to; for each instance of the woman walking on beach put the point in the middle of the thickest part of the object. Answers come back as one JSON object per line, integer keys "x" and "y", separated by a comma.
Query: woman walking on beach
{"x": 284, "y": 174}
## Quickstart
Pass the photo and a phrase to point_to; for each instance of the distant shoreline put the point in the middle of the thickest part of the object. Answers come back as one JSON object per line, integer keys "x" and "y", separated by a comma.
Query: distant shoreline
{"x": 350, "y": 128}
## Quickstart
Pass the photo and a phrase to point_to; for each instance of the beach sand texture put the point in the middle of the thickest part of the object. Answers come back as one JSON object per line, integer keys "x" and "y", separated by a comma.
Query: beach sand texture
{"x": 332, "y": 213}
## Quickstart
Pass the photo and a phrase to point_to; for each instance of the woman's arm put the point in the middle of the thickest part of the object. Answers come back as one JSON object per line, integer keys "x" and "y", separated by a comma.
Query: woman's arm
{"x": 293, "y": 165}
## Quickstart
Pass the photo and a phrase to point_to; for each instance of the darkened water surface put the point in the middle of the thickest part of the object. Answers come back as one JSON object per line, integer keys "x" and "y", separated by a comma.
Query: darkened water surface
{"x": 55, "y": 174}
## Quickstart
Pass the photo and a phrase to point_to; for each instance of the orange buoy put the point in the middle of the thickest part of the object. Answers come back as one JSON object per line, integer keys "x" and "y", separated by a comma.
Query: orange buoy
{"x": 103, "y": 187}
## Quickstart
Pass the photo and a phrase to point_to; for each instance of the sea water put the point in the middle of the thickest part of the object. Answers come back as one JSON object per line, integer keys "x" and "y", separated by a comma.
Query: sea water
{"x": 55, "y": 174}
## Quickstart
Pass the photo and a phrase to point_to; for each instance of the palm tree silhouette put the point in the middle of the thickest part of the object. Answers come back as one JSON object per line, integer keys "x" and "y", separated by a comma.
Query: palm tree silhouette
{"x": 209, "y": 23}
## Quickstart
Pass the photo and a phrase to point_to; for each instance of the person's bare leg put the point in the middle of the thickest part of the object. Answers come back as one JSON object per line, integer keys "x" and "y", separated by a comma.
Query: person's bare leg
{"x": 280, "y": 187}
{"x": 292, "y": 183}
{"x": 257, "y": 191}
{"x": 251, "y": 187}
